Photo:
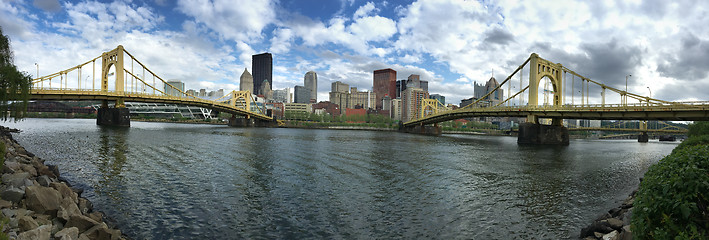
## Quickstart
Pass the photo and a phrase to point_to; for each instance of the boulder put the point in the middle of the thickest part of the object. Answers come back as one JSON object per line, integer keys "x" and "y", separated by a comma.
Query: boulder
{"x": 57, "y": 225}
{"x": 83, "y": 237}
{"x": 43, "y": 199}
{"x": 27, "y": 223}
{"x": 597, "y": 226}
{"x": 12, "y": 194}
{"x": 626, "y": 234}
{"x": 611, "y": 236}
{"x": 65, "y": 191}
{"x": 40, "y": 233}
{"x": 85, "y": 206}
{"x": 67, "y": 234}
{"x": 5, "y": 204}
{"x": 16, "y": 179}
{"x": 94, "y": 232}
{"x": 68, "y": 209}
{"x": 8, "y": 213}
{"x": 97, "y": 216}
{"x": 44, "y": 181}
{"x": 43, "y": 219}
{"x": 13, "y": 166}
{"x": 29, "y": 169}
{"x": 46, "y": 171}
{"x": 628, "y": 216}
{"x": 615, "y": 223}
{"x": 81, "y": 222}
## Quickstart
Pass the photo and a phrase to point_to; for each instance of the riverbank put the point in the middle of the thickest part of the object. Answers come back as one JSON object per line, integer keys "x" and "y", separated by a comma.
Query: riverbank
{"x": 36, "y": 203}
{"x": 614, "y": 224}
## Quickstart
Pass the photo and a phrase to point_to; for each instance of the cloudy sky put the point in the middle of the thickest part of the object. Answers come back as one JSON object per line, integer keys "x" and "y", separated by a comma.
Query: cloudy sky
{"x": 450, "y": 43}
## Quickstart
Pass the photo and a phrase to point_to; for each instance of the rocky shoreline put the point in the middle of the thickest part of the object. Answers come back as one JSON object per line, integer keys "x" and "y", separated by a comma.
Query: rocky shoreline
{"x": 612, "y": 225}
{"x": 36, "y": 203}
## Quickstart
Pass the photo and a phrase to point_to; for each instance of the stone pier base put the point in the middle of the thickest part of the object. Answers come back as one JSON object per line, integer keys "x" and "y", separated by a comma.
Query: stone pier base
{"x": 426, "y": 130}
{"x": 643, "y": 137}
{"x": 113, "y": 117}
{"x": 241, "y": 122}
{"x": 530, "y": 133}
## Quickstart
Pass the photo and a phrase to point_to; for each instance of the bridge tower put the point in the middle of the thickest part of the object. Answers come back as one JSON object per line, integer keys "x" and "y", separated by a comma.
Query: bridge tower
{"x": 532, "y": 132}
{"x": 119, "y": 115}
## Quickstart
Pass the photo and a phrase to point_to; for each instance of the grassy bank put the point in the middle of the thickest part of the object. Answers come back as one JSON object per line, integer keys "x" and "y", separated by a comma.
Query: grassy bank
{"x": 673, "y": 199}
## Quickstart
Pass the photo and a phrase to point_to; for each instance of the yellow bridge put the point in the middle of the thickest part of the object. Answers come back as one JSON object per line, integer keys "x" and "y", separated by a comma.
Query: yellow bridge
{"x": 559, "y": 88}
{"x": 122, "y": 78}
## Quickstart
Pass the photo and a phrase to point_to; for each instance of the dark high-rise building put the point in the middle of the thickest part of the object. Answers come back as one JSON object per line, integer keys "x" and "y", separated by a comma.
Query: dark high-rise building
{"x": 302, "y": 94}
{"x": 384, "y": 84}
{"x": 262, "y": 66}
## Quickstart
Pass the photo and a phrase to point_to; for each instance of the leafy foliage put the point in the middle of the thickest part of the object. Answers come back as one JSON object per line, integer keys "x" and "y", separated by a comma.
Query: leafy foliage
{"x": 673, "y": 198}
{"x": 698, "y": 129}
{"x": 14, "y": 85}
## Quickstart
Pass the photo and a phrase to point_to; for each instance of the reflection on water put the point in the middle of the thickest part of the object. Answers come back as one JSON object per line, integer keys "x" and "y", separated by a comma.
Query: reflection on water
{"x": 177, "y": 181}
{"x": 110, "y": 161}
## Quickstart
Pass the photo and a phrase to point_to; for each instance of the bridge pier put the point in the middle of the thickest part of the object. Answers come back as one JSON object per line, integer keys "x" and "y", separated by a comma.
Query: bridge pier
{"x": 538, "y": 134}
{"x": 643, "y": 137}
{"x": 119, "y": 116}
{"x": 240, "y": 122}
{"x": 422, "y": 129}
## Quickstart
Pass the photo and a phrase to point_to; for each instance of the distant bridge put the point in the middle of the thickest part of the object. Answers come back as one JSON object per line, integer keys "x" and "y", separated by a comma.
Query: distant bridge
{"x": 121, "y": 82}
{"x": 432, "y": 112}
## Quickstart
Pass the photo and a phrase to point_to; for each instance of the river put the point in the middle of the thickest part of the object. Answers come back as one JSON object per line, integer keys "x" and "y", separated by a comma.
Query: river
{"x": 187, "y": 181}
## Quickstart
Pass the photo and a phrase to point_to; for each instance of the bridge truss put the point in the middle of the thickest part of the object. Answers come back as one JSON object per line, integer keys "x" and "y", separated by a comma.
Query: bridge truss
{"x": 564, "y": 94}
{"x": 123, "y": 78}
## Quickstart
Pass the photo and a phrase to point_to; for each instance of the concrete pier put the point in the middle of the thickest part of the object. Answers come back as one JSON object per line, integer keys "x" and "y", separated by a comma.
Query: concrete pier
{"x": 241, "y": 122}
{"x": 538, "y": 134}
{"x": 426, "y": 130}
{"x": 643, "y": 137}
{"x": 113, "y": 117}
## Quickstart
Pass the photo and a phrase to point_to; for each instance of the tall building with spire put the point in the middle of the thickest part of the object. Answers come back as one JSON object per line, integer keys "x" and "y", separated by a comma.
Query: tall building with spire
{"x": 262, "y": 66}
{"x": 246, "y": 81}
{"x": 311, "y": 83}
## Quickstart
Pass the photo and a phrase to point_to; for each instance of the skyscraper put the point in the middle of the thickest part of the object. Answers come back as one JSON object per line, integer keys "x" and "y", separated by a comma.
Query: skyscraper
{"x": 246, "y": 82}
{"x": 177, "y": 88}
{"x": 384, "y": 84}
{"x": 302, "y": 94}
{"x": 311, "y": 82}
{"x": 262, "y": 66}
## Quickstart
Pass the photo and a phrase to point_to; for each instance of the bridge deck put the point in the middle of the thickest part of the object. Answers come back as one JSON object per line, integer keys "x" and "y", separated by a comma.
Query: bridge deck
{"x": 679, "y": 112}
{"x": 64, "y": 94}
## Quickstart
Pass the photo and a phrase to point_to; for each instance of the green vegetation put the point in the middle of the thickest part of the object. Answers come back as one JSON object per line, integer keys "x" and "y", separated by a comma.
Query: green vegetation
{"x": 673, "y": 199}
{"x": 14, "y": 85}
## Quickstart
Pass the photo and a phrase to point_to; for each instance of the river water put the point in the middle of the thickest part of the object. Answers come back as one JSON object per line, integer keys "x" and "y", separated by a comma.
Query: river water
{"x": 187, "y": 181}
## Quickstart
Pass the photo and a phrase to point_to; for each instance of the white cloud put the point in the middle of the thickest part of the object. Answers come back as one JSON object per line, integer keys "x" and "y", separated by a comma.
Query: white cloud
{"x": 364, "y": 10}
{"x": 241, "y": 20}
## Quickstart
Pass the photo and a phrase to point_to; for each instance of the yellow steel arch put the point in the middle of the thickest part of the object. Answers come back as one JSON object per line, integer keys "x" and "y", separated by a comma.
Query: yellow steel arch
{"x": 538, "y": 69}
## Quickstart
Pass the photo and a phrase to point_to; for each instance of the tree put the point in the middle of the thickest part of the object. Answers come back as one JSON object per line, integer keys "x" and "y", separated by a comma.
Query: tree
{"x": 14, "y": 85}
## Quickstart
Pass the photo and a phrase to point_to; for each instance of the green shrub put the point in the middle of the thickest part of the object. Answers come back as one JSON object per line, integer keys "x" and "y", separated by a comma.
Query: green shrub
{"x": 698, "y": 129}
{"x": 693, "y": 141}
{"x": 673, "y": 197}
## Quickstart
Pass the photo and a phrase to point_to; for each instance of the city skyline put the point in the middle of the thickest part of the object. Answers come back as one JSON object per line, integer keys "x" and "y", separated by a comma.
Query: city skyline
{"x": 451, "y": 43}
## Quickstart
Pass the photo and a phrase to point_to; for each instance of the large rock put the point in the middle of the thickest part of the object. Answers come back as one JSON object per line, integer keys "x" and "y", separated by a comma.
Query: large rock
{"x": 46, "y": 171}
{"x": 615, "y": 223}
{"x": 12, "y": 194}
{"x": 27, "y": 223}
{"x": 16, "y": 179}
{"x": 85, "y": 206}
{"x": 65, "y": 191}
{"x": 81, "y": 222}
{"x": 611, "y": 236}
{"x": 44, "y": 181}
{"x": 68, "y": 209}
{"x": 40, "y": 233}
{"x": 43, "y": 199}
{"x": 597, "y": 226}
{"x": 71, "y": 233}
{"x": 29, "y": 169}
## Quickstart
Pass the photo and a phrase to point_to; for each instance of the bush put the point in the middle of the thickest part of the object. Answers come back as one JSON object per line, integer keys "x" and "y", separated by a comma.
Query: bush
{"x": 672, "y": 200}
{"x": 698, "y": 129}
